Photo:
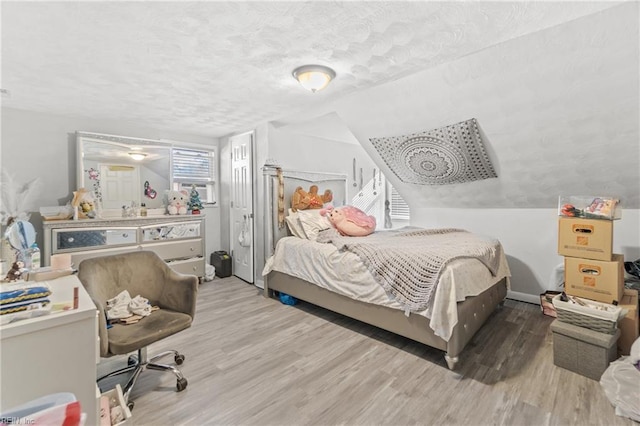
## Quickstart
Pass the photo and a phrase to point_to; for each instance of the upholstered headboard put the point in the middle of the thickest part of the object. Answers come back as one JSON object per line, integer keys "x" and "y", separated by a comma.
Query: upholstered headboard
{"x": 292, "y": 179}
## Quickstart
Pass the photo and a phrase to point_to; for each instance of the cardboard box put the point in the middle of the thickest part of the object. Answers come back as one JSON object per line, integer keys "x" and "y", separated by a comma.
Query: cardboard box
{"x": 598, "y": 280}
{"x": 585, "y": 238}
{"x": 630, "y": 324}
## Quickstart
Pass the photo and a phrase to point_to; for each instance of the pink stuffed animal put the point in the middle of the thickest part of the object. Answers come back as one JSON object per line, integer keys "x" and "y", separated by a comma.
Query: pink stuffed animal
{"x": 351, "y": 221}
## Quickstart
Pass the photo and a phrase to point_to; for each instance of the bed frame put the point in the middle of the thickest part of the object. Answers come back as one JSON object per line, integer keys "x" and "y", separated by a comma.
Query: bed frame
{"x": 472, "y": 312}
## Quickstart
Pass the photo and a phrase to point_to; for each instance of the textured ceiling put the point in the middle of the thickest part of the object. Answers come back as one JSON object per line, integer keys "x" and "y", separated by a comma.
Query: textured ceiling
{"x": 213, "y": 68}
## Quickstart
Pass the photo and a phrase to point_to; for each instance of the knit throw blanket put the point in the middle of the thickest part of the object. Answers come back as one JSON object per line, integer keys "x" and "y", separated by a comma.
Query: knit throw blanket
{"x": 408, "y": 264}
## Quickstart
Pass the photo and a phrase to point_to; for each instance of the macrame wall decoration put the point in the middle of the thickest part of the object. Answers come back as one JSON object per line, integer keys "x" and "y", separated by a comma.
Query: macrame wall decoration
{"x": 446, "y": 155}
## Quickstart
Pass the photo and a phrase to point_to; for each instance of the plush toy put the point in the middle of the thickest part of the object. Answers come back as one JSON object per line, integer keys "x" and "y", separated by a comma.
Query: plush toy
{"x": 83, "y": 200}
{"x": 350, "y": 221}
{"x": 303, "y": 200}
{"x": 177, "y": 202}
{"x": 15, "y": 273}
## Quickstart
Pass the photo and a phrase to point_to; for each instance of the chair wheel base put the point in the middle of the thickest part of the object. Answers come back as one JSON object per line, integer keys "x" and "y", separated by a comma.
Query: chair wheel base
{"x": 181, "y": 384}
{"x": 179, "y": 359}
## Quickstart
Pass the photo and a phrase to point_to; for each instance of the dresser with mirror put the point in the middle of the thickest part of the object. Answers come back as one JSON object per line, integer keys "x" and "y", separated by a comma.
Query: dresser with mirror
{"x": 123, "y": 172}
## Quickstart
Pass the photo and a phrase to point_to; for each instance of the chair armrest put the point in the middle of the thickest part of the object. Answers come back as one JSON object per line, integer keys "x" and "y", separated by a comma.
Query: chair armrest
{"x": 179, "y": 293}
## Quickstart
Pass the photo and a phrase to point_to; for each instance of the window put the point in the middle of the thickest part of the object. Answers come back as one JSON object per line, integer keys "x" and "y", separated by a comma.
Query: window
{"x": 399, "y": 207}
{"x": 194, "y": 167}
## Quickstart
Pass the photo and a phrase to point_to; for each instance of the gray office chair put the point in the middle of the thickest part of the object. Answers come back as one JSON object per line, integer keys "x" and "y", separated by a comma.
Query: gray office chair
{"x": 140, "y": 273}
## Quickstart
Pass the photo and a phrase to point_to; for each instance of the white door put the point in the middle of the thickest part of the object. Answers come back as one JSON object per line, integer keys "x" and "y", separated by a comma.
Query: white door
{"x": 241, "y": 215}
{"x": 118, "y": 183}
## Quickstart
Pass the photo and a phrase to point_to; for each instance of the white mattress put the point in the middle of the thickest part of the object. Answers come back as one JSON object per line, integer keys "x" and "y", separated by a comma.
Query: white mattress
{"x": 345, "y": 274}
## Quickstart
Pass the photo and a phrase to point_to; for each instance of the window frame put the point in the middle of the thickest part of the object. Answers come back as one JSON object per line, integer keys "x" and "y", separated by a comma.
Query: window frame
{"x": 208, "y": 185}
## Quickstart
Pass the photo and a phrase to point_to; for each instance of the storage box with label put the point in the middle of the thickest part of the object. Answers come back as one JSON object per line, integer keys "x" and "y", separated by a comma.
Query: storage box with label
{"x": 630, "y": 324}
{"x": 590, "y": 207}
{"x": 587, "y": 238}
{"x": 598, "y": 280}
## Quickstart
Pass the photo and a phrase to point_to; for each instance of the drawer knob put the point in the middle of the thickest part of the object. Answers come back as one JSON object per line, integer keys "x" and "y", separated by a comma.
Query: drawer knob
{"x": 70, "y": 239}
{"x": 191, "y": 248}
{"x": 125, "y": 235}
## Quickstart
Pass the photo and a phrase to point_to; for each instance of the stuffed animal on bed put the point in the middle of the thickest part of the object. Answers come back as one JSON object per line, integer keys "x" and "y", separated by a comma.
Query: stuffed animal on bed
{"x": 350, "y": 221}
{"x": 303, "y": 200}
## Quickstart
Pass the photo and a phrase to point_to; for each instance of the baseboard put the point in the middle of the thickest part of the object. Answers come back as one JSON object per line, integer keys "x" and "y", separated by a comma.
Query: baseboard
{"x": 523, "y": 297}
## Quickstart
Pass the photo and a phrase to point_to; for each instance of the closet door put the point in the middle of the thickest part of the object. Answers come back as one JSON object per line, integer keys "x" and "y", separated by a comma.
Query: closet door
{"x": 241, "y": 214}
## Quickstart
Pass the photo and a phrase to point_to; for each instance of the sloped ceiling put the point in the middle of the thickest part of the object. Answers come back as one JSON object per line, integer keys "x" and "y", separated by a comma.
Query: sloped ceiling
{"x": 218, "y": 67}
{"x": 560, "y": 111}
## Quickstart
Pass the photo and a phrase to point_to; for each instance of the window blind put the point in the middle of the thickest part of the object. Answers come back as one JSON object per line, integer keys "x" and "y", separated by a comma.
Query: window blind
{"x": 399, "y": 207}
{"x": 192, "y": 165}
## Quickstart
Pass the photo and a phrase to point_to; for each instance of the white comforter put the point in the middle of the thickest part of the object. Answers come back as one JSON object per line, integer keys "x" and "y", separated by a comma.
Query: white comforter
{"x": 344, "y": 273}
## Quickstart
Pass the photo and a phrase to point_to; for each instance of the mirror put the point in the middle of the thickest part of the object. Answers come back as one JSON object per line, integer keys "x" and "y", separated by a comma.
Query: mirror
{"x": 21, "y": 235}
{"x": 119, "y": 170}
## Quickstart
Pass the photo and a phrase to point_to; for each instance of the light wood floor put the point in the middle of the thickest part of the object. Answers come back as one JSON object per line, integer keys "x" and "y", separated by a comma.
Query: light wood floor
{"x": 254, "y": 361}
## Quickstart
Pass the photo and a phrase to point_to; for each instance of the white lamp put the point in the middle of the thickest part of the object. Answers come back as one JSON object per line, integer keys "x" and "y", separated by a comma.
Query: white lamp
{"x": 138, "y": 156}
{"x": 314, "y": 77}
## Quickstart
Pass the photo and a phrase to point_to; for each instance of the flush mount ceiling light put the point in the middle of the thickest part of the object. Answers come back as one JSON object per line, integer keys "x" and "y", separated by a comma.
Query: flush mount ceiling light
{"x": 138, "y": 156}
{"x": 314, "y": 77}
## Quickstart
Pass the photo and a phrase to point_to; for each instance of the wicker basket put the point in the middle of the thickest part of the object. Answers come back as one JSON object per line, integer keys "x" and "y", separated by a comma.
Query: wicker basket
{"x": 585, "y": 316}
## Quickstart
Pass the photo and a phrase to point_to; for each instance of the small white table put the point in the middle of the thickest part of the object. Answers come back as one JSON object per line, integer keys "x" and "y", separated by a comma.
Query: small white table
{"x": 52, "y": 353}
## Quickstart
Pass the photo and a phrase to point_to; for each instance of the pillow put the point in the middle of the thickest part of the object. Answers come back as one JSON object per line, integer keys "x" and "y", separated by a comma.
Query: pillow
{"x": 312, "y": 223}
{"x": 294, "y": 225}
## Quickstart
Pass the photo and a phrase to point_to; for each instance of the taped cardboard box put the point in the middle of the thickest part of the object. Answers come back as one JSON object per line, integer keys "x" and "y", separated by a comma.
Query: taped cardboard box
{"x": 630, "y": 324}
{"x": 585, "y": 238}
{"x": 598, "y": 280}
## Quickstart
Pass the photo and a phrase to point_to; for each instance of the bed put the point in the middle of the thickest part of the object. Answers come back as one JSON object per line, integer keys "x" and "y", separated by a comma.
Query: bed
{"x": 465, "y": 296}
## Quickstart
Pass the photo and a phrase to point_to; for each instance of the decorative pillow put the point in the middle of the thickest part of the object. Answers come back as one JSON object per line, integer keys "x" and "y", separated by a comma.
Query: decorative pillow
{"x": 350, "y": 221}
{"x": 312, "y": 223}
{"x": 293, "y": 223}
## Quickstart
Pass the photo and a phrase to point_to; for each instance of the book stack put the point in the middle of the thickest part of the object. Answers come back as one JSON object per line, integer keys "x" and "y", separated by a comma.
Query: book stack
{"x": 23, "y": 297}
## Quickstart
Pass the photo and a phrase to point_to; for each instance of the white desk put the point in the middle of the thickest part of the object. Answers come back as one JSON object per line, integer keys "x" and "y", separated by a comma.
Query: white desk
{"x": 52, "y": 353}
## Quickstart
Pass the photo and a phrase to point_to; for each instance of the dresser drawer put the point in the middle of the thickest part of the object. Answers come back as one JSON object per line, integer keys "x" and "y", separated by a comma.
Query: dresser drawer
{"x": 170, "y": 231}
{"x": 74, "y": 239}
{"x": 176, "y": 249}
{"x": 78, "y": 257}
{"x": 189, "y": 266}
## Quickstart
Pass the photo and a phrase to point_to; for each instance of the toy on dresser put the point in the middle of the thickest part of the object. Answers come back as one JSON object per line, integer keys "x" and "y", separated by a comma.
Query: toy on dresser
{"x": 15, "y": 273}
{"x": 177, "y": 202}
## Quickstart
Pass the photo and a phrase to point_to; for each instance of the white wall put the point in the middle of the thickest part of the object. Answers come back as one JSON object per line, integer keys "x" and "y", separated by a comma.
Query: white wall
{"x": 44, "y": 145}
{"x": 560, "y": 109}
{"x": 296, "y": 151}
{"x": 529, "y": 238}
